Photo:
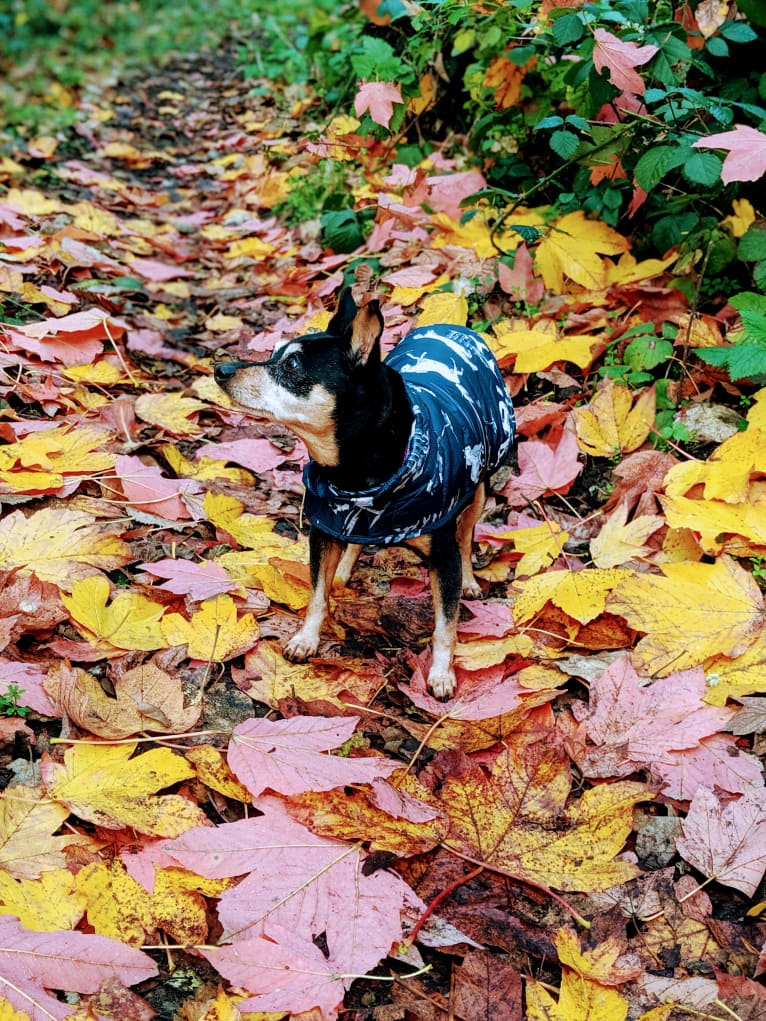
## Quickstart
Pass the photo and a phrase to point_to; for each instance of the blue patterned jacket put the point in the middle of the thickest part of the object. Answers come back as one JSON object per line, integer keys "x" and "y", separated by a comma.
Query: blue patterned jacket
{"x": 463, "y": 427}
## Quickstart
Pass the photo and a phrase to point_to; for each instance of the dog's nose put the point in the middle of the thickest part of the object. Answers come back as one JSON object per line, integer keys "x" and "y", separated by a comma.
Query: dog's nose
{"x": 226, "y": 370}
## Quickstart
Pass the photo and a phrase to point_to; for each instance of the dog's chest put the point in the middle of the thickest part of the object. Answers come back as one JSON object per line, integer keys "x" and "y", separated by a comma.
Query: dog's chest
{"x": 463, "y": 428}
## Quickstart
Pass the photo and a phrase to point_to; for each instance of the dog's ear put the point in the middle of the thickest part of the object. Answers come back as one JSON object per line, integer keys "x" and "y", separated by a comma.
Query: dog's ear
{"x": 365, "y": 333}
{"x": 342, "y": 321}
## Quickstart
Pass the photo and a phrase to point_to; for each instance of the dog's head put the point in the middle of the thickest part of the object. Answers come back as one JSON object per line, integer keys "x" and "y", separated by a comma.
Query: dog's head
{"x": 305, "y": 380}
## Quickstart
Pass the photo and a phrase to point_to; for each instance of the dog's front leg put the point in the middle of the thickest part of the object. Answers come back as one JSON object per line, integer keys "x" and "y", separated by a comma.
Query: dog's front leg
{"x": 446, "y": 583}
{"x": 324, "y": 556}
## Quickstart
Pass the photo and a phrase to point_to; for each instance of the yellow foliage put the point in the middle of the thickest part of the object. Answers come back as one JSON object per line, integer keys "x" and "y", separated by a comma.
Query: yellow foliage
{"x": 443, "y": 307}
{"x": 572, "y": 248}
{"x": 59, "y": 546}
{"x": 618, "y": 541}
{"x": 130, "y": 621}
{"x": 106, "y": 786}
{"x": 609, "y": 426}
{"x": 171, "y": 411}
{"x": 581, "y": 594}
{"x": 45, "y": 904}
{"x": 579, "y": 1000}
{"x": 535, "y": 350}
{"x": 213, "y": 633}
{"x": 516, "y": 820}
{"x": 692, "y": 613}
{"x": 27, "y": 820}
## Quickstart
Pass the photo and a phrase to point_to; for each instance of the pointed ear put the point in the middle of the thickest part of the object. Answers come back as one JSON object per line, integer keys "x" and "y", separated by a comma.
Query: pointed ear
{"x": 366, "y": 331}
{"x": 342, "y": 321}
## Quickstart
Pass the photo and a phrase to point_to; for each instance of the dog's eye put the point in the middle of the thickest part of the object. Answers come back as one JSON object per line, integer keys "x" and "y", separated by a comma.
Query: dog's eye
{"x": 292, "y": 363}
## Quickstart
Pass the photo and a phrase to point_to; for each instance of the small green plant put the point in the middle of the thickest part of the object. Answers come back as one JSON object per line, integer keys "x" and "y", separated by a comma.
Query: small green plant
{"x": 9, "y": 702}
{"x": 759, "y": 569}
{"x": 746, "y": 357}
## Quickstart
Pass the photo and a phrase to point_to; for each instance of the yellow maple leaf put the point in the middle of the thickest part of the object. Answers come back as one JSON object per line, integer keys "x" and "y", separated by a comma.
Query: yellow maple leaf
{"x": 130, "y": 621}
{"x": 206, "y": 469}
{"x": 60, "y": 546}
{"x": 443, "y": 307}
{"x": 609, "y": 425}
{"x": 743, "y": 675}
{"x": 718, "y": 524}
{"x": 120, "y": 908}
{"x": 101, "y": 373}
{"x": 271, "y": 678}
{"x": 619, "y": 541}
{"x": 486, "y": 652}
{"x": 517, "y": 819}
{"x": 249, "y": 530}
{"x": 253, "y": 248}
{"x": 214, "y": 772}
{"x": 534, "y": 350}
{"x": 476, "y": 234}
{"x": 540, "y": 546}
{"x": 213, "y": 633}
{"x": 105, "y": 785}
{"x": 45, "y": 904}
{"x": 579, "y": 1000}
{"x": 171, "y": 412}
{"x": 599, "y": 964}
{"x": 756, "y": 415}
{"x": 741, "y": 219}
{"x": 581, "y": 594}
{"x": 27, "y": 821}
{"x": 250, "y": 570}
{"x": 692, "y": 613}
{"x": 51, "y": 454}
{"x": 572, "y": 249}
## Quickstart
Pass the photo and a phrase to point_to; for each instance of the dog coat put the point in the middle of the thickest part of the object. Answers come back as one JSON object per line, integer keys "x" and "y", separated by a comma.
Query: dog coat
{"x": 463, "y": 427}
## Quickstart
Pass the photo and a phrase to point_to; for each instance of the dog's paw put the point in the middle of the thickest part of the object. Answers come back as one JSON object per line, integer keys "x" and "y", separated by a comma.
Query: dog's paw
{"x": 441, "y": 683}
{"x": 300, "y": 646}
{"x": 472, "y": 589}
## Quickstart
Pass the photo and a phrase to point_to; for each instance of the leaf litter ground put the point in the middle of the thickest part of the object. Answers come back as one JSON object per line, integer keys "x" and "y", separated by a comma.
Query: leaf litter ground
{"x": 594, "y": 765}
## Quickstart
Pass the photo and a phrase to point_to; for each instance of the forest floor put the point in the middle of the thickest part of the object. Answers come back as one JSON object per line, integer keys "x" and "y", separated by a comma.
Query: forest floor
{"x": 592, "y": 801}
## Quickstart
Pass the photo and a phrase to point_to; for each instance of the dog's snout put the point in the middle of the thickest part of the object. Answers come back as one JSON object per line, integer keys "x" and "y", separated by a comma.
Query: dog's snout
{"x": 227, "y": 370}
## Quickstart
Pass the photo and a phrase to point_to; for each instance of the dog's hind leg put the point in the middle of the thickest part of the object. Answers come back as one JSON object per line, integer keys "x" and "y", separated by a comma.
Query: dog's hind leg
{"x": 467, "y": 521}
{"x": 348, "y": 562}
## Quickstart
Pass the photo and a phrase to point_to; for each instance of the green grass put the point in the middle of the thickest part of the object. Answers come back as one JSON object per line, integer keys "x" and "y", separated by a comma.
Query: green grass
{"x": 48, "y": 48}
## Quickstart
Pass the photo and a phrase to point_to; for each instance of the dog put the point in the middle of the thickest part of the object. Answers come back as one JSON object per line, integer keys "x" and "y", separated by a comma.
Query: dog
{"x": 401, "y": 452}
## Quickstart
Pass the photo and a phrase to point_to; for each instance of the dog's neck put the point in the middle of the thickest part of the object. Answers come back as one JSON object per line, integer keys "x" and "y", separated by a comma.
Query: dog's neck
{"x": 372, "y": 429}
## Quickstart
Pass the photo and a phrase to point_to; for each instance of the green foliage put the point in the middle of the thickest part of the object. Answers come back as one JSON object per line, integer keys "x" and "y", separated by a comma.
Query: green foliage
{"x": 560, "y": 140}
{"x": 746, "y": 358}
{"x": 9, "y": 702}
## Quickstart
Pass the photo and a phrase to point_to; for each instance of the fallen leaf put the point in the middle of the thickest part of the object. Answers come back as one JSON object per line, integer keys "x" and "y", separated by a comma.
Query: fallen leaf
{"x": 200, "y": 581}
{"x": 28, "y": 821}
{"x": 32, "y": 962}
{"x": 288, "y": 755}
{"x": 214, "y": 632}
{"x": 727, "y": 841}
{"x": 130, "y": 621}
{"x": 45, "y": 904}
{"x": 692, "y": 613}
{"x": 581, "y": 594}
{"x": 171, "y": 412}
{"x": 59, "y": 546}
{"x": 618, "y": 541}
{"x": 103, "y": 784}
{"x": 609, "y": 425}
{"x": 507, "y": 819}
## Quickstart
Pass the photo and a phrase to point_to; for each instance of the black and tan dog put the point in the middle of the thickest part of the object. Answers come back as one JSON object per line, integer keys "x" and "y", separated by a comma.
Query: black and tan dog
{"x": 401, "y": 452}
